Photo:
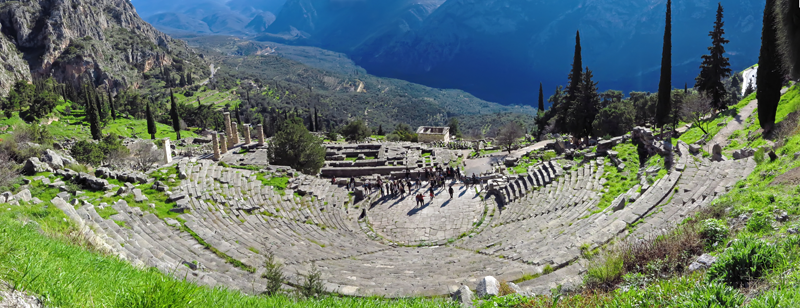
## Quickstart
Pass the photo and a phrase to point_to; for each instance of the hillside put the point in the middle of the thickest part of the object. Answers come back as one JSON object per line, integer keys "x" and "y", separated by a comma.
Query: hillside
{"x": 383, "y": 101}
{"x": 103, "y": 41}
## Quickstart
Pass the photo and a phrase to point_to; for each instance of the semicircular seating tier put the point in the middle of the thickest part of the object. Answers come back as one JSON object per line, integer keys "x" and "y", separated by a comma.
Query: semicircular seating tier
{"x": 392, "y": 246}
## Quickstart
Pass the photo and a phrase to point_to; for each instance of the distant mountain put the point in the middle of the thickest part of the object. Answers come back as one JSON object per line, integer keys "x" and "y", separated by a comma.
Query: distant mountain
{"x": 499, "y": 50}
{"x": 344, "y": 25}
{"x": 235, "y": 17}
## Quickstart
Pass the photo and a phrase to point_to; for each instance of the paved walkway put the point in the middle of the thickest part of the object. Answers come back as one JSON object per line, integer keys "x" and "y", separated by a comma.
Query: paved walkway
{"x": 737, "y": 124}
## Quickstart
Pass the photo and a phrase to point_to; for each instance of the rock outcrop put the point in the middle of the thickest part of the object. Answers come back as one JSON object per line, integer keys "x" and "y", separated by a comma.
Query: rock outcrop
{"x": 104, "y": 39}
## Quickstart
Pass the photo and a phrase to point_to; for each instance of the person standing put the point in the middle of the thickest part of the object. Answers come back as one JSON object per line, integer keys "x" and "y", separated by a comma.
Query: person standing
{"x": 451, "y": 191}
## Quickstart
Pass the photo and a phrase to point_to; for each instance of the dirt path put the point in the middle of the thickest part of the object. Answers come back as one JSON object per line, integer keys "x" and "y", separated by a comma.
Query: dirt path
{"x": 737, "y": 124}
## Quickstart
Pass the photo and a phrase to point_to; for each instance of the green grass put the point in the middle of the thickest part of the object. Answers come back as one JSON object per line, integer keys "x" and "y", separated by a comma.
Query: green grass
{"x": 695, "y": 133}
{"x": 277, "y": 183}
{"x": 619, "y": 182}
{"x": 64, "y": 273}
{"x": 350, "y": 159}
{"x": 72, "y": 126}
{"x": 789, "y": 103}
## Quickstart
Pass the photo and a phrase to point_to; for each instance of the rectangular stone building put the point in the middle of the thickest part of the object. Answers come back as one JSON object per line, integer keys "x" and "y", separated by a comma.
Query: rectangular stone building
{"x": 433, "y": 134}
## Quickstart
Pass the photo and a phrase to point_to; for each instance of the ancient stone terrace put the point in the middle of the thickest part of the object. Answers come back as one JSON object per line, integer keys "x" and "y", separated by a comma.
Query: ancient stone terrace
{"x": 385, "y": 159}
{"x": 507, "y": 228}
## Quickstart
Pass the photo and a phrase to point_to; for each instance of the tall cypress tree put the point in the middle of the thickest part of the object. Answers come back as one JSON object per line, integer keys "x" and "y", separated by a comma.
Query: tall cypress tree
{"x": 715, "y": 66}
{"x": 151, "y": 122}
{"x": 91, "y": 113}
{"x": 573, "y": 85}
{"x": 541, "y": 98}
{"x": 101, "y": 108}
{"x": 663, "y": 107}
{"x": 176, "y": 120}
{"x": 111, "y": 105}
{"x": 768, "y": 79}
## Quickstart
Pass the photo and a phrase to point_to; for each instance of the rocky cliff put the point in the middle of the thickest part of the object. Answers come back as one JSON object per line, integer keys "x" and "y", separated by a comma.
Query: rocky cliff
{"x": 103, "y": 40}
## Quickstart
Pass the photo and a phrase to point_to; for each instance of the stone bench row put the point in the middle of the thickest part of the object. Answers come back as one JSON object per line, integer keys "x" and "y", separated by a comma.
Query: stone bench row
{"x": 558, "y": 241}
{"x": 573, "y": 188}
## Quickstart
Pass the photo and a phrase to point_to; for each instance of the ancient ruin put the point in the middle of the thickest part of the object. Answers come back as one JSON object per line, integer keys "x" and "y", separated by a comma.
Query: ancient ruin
{"x": 433, "y": 134}
{"x": 367, "y": 230}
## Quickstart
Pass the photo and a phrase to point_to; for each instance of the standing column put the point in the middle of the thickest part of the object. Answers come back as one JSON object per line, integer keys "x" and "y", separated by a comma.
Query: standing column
{"x": 215, "y": 144}
{"x": 260, "y": 129}
{"x": 234, "y": 133}
{"x": 246, "y": 130}
{"x": 167, "y": 151}
{"x": 223, "y": 144}
{"x": 227, "y": 116}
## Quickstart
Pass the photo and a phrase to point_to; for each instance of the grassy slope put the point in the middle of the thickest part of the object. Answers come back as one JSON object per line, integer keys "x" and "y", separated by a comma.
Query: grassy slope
{"x": 753, "y": 197}
{"x": 72, "y": 126}
{"x": 40, "y": 254}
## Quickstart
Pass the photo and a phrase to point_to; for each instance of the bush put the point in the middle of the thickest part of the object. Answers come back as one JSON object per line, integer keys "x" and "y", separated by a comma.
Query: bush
{"x": 759, "y": 222}
{"x": 294, "y": 146}
{"x": 356, "y": 131}
{"x": 712, "y": 295}
{"x": 87, "y": 152}
{"x": 312, "y": 284}
{"x": 273, "y": 273}
{"x": 606, "y": 272}
{"x": 713, "y": 231}
{"x": 747, "y": 259}
{"x": 505, "y": 289}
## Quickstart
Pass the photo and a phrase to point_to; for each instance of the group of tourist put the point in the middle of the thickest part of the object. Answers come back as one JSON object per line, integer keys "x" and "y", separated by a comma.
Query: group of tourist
{"x": 436, "y": 177}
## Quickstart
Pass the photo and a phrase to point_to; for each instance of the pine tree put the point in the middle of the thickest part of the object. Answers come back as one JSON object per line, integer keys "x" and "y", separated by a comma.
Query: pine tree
{"x": 182, "y": 80}
{"x": 768, "y": 79}
{"x": 663, "y": 107}
{"x": 91, "y": 113}
{"x": 584, "y": 109}
{"x": 540, "y": 114}
{"x": 189, "y": 79}
{"x": 176, "y": 120}
{"x": 574, "y": 81}
{"x": 380, "y": 130}
{"x": 715, "y": 67}
{"x": 151, "y": 122}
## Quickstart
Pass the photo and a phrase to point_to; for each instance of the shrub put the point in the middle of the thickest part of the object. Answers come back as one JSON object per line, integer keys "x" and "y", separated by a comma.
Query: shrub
{"x": 759, "y": 222}
{"x": 273, "y": 273}
{"x": 604, "y": 273}
{"x": 759, "y": 155}
{"x": 713, "y": 231}
{"x": 747, "y": 259}
{"x": 312, "y": 284}
{"x": 505, "y": 289}
{"x": 87, "y": 152}
{"x": 712, "y": 295}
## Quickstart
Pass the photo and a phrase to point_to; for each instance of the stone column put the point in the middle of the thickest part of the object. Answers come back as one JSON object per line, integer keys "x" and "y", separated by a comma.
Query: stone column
{"x": 223, "y": 144}
{"x": 234, "y": 133}
{"x": 227, "y": 116}
{"x": 260, "y": 129}
{"x": 167, "y": 151}
{"x": 215, "y": 145}
{"x": 247, "y": 134}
